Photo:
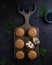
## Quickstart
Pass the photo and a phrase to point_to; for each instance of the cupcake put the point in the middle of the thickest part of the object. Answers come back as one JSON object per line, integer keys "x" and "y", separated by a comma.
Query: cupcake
{"x": 19, "y": 32}
{"x": 20, "y": 55}
{"x": 32, "y": 32}
{"x": 19, "y": 43}
{"x": 32, "y": 55}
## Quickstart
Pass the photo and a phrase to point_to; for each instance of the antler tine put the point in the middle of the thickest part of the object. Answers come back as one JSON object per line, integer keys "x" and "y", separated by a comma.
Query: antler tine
{"x": 21, "y": 12}
{"x": 31, "y": 12}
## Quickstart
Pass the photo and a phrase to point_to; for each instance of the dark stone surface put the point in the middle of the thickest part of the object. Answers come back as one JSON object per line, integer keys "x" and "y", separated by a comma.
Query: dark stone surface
{"x": 8, "y": 11}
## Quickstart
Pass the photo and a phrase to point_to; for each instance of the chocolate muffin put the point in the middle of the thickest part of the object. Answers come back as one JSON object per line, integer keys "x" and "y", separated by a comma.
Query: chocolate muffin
{"x": 20, "y": 55}
{"x": 19, "y": 43}
{"x": 19, "y": 31}
{"x": 32, "y": 54}
{"x": 32, "y": 32}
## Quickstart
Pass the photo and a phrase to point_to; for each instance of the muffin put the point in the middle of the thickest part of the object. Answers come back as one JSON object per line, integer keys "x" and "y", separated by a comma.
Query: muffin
{"x": 19, "y": 32}
{"x": 30, "y": 45}
{"x": 36, "y": 40}
{"x": 32, "y": 32}
{"x": 32, "y": 54}
{"x": 20, "y": 55}
{"x": 19, "y": 43}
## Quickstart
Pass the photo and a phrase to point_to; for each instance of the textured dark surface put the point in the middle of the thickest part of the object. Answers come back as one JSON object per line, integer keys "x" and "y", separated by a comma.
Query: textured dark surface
{"x": 8, "y": 11}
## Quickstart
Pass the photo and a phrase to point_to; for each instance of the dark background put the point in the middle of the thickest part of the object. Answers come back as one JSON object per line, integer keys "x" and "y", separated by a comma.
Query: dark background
{"x": 8, "y": 10}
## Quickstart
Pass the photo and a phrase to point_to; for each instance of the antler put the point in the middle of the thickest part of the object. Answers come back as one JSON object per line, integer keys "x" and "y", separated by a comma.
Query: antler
{"x": 31, "y": 12}
{"x": 21, "y": 12}
{"x": 26, "y": 14}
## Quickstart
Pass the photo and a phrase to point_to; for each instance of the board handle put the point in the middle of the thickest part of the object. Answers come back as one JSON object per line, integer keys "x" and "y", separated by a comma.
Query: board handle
{"x": 26, "y": 15}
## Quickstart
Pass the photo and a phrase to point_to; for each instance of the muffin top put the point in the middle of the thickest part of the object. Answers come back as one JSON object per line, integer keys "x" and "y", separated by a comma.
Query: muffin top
{"x": 32, "y": 54}
{"x": 19, "y": 43}
{"x": 20, "y": 55}
{"x": 32, "y": 32}
{"x": 19, "y": 31}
